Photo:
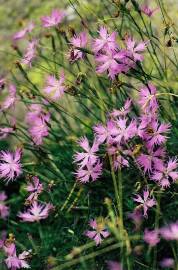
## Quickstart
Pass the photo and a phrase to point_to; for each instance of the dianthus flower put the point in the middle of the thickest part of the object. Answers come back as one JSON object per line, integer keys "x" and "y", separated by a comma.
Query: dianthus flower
{"x": 105, "y": 41}
{"x": 114, "y": 265}
{"x": 147, "y": 99}
{"x": 99, "y": 231}
{"x": 10, "y": 166}
{"x": 90, "y": 171}
{"x": 136, "y": 217}
{"x": 36, "y": 212}
{"x": 35, "y": 188}
{"x": 54, "y": 19}
{"x": 125, "y": 131}
{"x": 148, "y": 11}
{"x": 10, "y": 99}
{"x": 123, "y": 111}
{"x": 105, "y": 133}
{"x": 5, "y": 131}
{"x": 146, "y": 202}
{"x": 77, "y": 41}
{"x": 167, "y": 263}
{"x": 151, "y": 237}
{"x": 30, "y": 53}
{"x": 21, "y": 34}
{"x": 170, "y": 232}
{"x": 164, "y": 173}
{"x": 55, "y": 88}
{"x": 118, "y": 154}
{"x": 4, "y": 210}
{"x": 135, "y": 49}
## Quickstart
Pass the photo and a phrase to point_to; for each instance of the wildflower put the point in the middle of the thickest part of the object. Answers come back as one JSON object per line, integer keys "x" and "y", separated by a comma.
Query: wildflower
{"x": 151, "y": 237}
{"x": 114, "y": 265}
{"x": 135, "y": 49}
{"x": 147, "y": 161}
{"x": 21, "y": 34}
{"x": 5, "y": 131}
{"x": 123, "y": 111}
{"x": 170, "y": 232}
{"x": 118, "y": 155}
{"x": 10, "y": 166}
{"x": 10, "y": 99}
{"x": 99, "y": 231}
{"x": 167, "y": 263}
{"x": 106, "y": 42}
{"x": 147, "y": 98}
{"x": 78, "y": 41}
{"x": 54, "y": 19}
{"x": 84, "y": 174}
{"x": 148, "y": 11}
{"x": 105, "y": 133}
{"x": 4, "y": 210}
{"x": 146, "y": 202}
{"x": 36, "y": 212}
{"x": 35, "y": 188}
{"x": 136, "y": 217}
{"x": 89, "y": 156}
{"x": 30, "y": 53}
{"x": 55, "y": 88}
{"x": 125, "y": 131}
{"x": 165, "y": 172}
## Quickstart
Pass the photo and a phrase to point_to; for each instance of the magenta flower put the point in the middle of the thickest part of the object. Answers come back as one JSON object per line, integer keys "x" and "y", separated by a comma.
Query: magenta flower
{"x": 123, "y": 111}
{"x": 167, "y": 263}
{"x": 135, "y": 49}
{"x": 54, "y": 19}
{"x": 147, "y": 161}
{"x": 136, "y": 217}
{"x": 93, "y": 172}
{"x": 146, "y": 202}
{"x": 10, "y": 166}
{"x": 36, "y": 212}
{"x": 170, "y": 232}
{"x": 30, "y": 53}
{"x": 151, "y": 237}
{"x": 10, "y": 99}
{"x": 118, "y": 155}
{"x": 55, "y": 88}
{"x": 99, "y": 231}
{"x": 106, "y": 42}
{"x": 89, "y": 156}
{"x": 21, "y": 34}
{"x": 77, "y": 41}
{"x": 165, "y": 172}
{"x": 114, "y": 265}
{"x": 4, "y": 210}
{"x": 35, "y": 188}
{"x": 147, "y": 99}
{"x": 148, "y": 11}
{"x": 105, "y": 133}
{"x": 125, "y": 131}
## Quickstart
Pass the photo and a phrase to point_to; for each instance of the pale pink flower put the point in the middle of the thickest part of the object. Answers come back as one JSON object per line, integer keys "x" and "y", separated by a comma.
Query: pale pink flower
{"x": 55, "y": 88}
{"x": 5, "y": 132}
{"x": 135, "y": 49}
{"x": 114, "y": 265}
{"x": 10, "y": 166}
{"x": 167, "y": 263}
{"x": 36, "y": 212}
{"x": 89, "y": 156}
{"x": 98, "y": 233}
{"x": 4, "y": 210}
{"x": 123, "y": 111}
{"x": 136, "y": 217}
{"x": 125, "y": 131}
{"x": 77, "y": 41}
{"x": 30, "y": 53}
{"x": 10, "y": 99}
{"x": 148, "y": 11}
{"x": 35, "y": 188}
{"x": 105, "y": 133}
{"x": 118, "y": 154}
{"x": 146, "y": 202}
{"x": 54, "y": 19}
{"x": 21, "y": 34}
{"x": 170, "y": 232}
{"x": 93, "y": 172}
{"x": 147, "y": 99}
{"x": 105, "y": 41}
{"x": 151, "y": 237}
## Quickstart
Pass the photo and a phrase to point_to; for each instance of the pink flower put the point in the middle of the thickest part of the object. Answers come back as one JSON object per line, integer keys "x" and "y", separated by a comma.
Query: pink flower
{"x": 105, "y": 133}
{"x": 112, "y": 62}
{"x": 151, "y": 237}
{"x": 136, "y": 217}
{"x": 146, "y": 202}
{"x": 10, "y": 99}
{"x": 114, "y": 265}
{"x": 4, "y": 210}
{"x": 5, "y": 131}
{"x": 37, "y": 121}
{"x": 55, "y": 88}
{"x": 118, "y": 155}
{"x": 147, "y": 98}
{"x": 36, "y": 212}
{"x": 84, "y": 174}
{"x": 54, "y": 19}
{"x": 89, "y": 156}
{"x": 78, "y": 41}
{"x": 135, "y": 49}
{"x": 148, "y": 11}
{"x": 30, "y": 53}
{"x": 165, "y": 172}
{"x": 125, "y": 131}
{"x": 21, "y": 34}
{"x": 98, "y": 233}
{"x": 167, "y": 263}
{"x": 105, "y": 41}
{"x": 147, "y": 161}
{"x": 170, "y": 232}
{"x": 35, "y": 188}
{"x": 123, "y": 111}
{"x": 10, "y": 166}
